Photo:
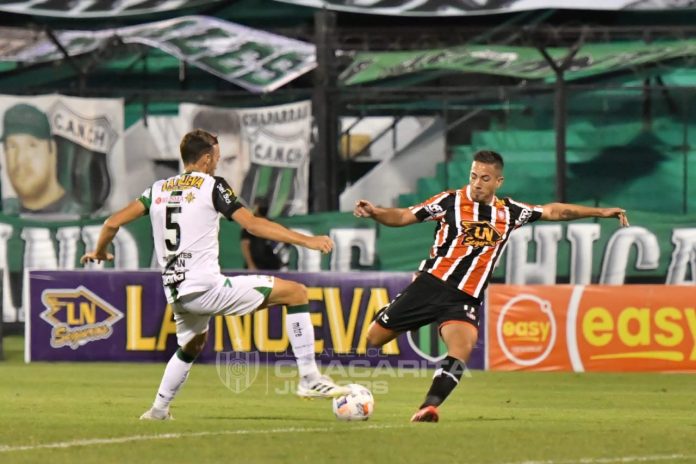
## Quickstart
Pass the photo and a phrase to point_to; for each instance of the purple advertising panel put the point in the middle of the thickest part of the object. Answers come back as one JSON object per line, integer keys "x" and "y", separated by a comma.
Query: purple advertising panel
{"x": 123, "y": 316}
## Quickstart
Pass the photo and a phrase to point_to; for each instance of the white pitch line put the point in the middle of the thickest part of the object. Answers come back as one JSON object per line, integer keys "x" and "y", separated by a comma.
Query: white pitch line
{"x": 166, "y": 436}
{"x": 619, "y": 459}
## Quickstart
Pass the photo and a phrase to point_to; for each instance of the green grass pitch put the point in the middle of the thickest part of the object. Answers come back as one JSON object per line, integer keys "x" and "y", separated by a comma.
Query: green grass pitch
{"x": 79, "y": 413}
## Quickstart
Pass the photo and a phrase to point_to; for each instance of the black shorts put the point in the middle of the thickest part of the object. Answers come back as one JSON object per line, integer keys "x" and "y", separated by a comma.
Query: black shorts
{"x": 428, "y": 299}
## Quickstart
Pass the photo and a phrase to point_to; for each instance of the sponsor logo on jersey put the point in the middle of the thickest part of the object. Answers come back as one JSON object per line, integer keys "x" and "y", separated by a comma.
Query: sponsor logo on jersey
{"x": 176, "y": 198}
{"x": 226, "y": 193}
{"x": 525, "y": 216}
{"x": 470, "y": 311}
{"x": 78, "y": 316}
{"x": 433, "y": 210}
{"x": 182, "y": 183}
{"x": 190, "y": 197}
{"x": 170, "y": 278}
{"x": 479, "y": 234}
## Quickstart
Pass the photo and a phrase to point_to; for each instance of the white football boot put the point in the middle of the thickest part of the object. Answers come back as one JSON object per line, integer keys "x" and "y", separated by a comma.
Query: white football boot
{"x": 320, "y": 387}
{"x": 157, "y": 414}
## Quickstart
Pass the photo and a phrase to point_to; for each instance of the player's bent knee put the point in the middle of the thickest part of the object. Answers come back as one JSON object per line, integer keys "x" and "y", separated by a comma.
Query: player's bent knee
{"x": 461, "y": 350}
{"x": 301, "y": 289}
{"x": 299, "y": 294}
{"x": 373, "y": 340}
{"x": 287, "y": 292}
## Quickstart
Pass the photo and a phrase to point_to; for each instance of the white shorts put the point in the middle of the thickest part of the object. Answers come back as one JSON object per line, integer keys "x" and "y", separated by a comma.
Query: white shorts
{"x": 233, "y": 296}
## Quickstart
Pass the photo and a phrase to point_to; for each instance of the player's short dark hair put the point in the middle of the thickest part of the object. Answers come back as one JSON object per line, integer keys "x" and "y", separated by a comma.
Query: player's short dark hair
{"x": 489, "y": 157}
{"x": 195, "y": 144}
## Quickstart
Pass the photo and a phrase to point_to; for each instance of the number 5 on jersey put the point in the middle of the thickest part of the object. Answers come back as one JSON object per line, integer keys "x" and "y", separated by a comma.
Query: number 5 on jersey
{"x": 172, "y": 235}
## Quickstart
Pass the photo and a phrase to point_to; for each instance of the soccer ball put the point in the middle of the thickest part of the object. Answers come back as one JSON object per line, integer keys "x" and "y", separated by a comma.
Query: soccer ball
{"x": 356, "y": 405}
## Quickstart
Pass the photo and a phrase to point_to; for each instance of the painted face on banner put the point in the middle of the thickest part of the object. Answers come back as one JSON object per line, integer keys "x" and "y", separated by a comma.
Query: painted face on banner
{"x": 226, "y": 126}
{"x": 30, "y": 164}
{"x": 215, "y": 159}
{"x": 234, "y": 162}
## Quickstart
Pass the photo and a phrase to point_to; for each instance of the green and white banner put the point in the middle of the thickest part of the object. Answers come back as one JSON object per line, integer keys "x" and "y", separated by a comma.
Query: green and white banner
{"x": 521, "y": 62}
{"x": 110, "y": 8}
{"x": 658, "y": 248}
{"x": 96, "y": 8}
{"x": 61, "y": 157}
{"x": 480, "y": 7}
{"x": 264, "y": 152}
{"x": 255, "y": 60}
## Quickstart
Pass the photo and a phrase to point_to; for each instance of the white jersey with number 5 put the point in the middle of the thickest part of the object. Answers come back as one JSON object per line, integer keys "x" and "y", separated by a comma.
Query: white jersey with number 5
{"x": 185, "y": 214}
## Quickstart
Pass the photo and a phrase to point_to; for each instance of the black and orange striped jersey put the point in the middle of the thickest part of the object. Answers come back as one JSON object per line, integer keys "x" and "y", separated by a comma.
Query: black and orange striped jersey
{"x": 470, "y": 236}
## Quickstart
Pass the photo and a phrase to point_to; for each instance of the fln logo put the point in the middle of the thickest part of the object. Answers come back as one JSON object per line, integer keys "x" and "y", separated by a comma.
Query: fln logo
{"x": 78, "y": 316}
{"x": 479, "y": 234}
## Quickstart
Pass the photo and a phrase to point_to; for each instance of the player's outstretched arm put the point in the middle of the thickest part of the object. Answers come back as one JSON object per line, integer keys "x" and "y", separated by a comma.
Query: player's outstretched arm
{"x": 568, "y": 212}
{"x": 270, "y": 230}
{"x": 133, "y": 211}
{"x": 394, "y": 217}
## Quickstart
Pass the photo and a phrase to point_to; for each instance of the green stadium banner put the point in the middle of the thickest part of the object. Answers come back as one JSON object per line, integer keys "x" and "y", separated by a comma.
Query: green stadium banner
{"x": 479, "y": 7}
{"x": 100, "y": 9}
{"x": 61, "y": 157}
{"x": 255, "y": 60}
{"x": 520, "y": 62}
{"x": 656, "y": 249}
{"x": 264, "y": 151}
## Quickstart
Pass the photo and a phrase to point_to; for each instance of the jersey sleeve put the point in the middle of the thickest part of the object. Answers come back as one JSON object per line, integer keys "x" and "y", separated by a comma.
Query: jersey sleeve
{"x": 146, "y": 199}
{"x": 523, "y": 213}
{"x": 434, "y": 208}
{"x": 224, "y": 199}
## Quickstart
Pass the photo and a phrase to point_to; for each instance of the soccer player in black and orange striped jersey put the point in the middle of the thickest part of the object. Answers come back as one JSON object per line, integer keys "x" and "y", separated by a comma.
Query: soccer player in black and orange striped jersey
{"x": 473, "y": 227}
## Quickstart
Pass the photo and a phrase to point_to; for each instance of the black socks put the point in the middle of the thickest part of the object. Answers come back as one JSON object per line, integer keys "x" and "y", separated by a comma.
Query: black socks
{"x": 445, "y": 379}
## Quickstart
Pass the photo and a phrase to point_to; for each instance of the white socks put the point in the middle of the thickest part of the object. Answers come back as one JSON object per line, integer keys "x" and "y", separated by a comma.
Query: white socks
{"x": 175, "y": 375}
{"x": 300, "y": 331}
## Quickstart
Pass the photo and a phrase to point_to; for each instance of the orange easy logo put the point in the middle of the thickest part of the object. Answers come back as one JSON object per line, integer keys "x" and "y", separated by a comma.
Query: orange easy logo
{"x": 526, "y": 329}
{"x": 642, "y": 328}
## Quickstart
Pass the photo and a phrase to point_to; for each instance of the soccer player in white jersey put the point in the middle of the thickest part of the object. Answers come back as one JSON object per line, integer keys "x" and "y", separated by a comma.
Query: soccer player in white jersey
{"x": 184, "y": 211}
